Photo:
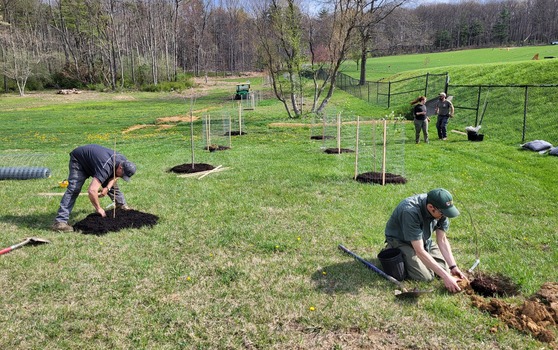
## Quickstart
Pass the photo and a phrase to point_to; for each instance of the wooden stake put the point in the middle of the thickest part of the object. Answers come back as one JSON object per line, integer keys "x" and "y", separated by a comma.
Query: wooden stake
{"x": 230, "y": 131}
{"x": 384, "y": 155}
{"x": 114, "y": 183}
{"x": 209, "y": 172}
{"x": 240, "y": 118}
{"x": 324, "y": 128}
{"x": 374, "y": 130}
{"x": 356, "y": 147}
{"x": 192, "y": 129}
{"x": 208, "y": 130}
{"x": 339, "y": 133}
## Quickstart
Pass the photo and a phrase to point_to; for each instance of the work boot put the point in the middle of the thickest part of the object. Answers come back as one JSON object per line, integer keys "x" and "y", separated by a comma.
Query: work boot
{"x": 62, "y": 227}
{"x": 123, "y": 207}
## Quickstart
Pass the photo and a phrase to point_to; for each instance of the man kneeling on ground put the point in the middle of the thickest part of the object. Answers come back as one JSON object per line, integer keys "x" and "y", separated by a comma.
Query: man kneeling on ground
{"x": 410, "y": 230}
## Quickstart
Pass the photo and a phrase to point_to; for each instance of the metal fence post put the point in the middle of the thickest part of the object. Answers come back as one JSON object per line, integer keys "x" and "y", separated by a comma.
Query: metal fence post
{"x": 389, "y": 94}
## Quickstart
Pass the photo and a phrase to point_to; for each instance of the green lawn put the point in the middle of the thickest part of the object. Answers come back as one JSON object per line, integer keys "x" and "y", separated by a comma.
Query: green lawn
{"x": 385, "y": 67}
{"x": 247, "y": 258}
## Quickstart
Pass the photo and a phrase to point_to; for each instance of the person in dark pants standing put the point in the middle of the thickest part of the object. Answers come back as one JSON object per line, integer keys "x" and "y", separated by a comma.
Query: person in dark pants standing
{"x": 105, "y": 166}
{"x": 444, "y": 110}
{"x": 420, "y": 118}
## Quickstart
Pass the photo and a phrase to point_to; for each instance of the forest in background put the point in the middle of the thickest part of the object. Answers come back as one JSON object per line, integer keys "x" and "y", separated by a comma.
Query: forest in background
{"x": 117, "y": 44}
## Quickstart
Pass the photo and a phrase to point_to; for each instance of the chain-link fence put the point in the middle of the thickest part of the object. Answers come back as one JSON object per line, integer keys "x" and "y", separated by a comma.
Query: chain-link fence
{"x": 393, "y": 93}
{"x": 518, "y": 113}
{"x": 515, "y": 113}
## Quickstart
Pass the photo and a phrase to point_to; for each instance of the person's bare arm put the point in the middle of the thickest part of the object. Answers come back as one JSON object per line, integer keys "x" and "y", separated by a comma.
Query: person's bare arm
{"x": 93, "y": 193}
{"x": 449, "y": 281}
{"x": 445, "y": 248}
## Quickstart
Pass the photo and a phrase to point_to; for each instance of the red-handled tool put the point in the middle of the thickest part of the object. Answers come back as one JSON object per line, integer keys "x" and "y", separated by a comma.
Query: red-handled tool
{"x": 30, "y": 240}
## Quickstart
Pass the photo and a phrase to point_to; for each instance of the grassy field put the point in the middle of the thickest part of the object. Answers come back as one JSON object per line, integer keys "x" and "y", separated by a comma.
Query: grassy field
{"x": 247, "y": 258}
{"x": 390, "y": 66}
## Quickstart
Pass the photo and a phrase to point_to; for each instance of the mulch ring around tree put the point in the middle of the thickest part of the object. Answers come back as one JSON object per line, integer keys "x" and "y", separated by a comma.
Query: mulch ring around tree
{"x": 537, "y": 315}
{"x": 234, "y": 133}
{"x": 376, "y": 178}
{"x": 213, "y": 148}
{"x": 115, "y": 221}
{"x": 189, "y": 168}
{"x": 321, "y": 137}
{"x": 336, "y": 150}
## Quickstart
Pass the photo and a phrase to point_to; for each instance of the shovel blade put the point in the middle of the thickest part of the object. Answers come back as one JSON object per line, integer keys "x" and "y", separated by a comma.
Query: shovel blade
{"x": 36, "y": 240}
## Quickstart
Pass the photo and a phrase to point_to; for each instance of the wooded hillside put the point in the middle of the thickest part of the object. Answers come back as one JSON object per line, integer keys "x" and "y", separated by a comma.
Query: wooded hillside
{"x": 133, "y": 43}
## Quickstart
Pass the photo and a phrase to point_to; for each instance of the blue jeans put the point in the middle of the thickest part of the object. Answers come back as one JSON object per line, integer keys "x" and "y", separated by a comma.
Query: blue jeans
{"x": 441, "y": 125}
{"x": 76, "y": 179}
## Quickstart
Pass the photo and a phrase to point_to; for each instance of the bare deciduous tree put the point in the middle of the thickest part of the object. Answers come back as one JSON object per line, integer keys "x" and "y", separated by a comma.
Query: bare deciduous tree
{"x": 21, "y": 56}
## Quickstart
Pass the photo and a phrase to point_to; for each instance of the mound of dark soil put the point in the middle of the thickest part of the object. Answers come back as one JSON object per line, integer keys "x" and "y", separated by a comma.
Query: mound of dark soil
{"x": 535, "y": 316}
{"x": 98, "y": 225}
{"x": 336, "y": 150}
{"x": 376, "y": 178}
{"x": 494, "y": 286}
{"x": 234, "y": 133}
{"x": 321, "y": 137}
{"x": 191, "y": 168}
{"x": 213, "y": 148}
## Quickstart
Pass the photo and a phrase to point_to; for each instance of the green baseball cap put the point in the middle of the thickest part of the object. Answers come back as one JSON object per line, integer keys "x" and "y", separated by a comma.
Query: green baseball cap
{"x": 442, "y": 199}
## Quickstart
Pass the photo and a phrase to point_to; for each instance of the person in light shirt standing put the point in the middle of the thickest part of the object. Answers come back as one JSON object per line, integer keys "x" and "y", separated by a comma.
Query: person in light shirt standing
{"x": 444, "y": 110}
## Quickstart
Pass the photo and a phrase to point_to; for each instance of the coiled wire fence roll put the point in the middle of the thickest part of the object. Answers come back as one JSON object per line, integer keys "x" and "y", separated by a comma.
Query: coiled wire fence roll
{"x": 24, "y": 173}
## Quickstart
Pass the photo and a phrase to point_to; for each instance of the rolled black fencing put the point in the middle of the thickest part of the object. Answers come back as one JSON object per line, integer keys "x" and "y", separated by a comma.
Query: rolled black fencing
{"x": 23, "y": 173}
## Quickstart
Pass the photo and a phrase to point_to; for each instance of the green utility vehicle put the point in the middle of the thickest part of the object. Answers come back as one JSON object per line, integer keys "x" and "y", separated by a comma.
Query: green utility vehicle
{"x": 242, "y": 91}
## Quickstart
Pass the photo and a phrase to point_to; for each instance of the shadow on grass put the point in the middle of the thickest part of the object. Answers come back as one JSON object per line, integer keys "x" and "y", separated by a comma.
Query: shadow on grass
{"x": 37, "y": 221}
{"x": 348, "y": 277}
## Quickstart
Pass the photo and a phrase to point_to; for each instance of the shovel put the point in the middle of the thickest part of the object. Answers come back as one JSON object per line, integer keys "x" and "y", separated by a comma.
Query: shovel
{"x": 30, "y": 240}
{"x": 402, "y": 294}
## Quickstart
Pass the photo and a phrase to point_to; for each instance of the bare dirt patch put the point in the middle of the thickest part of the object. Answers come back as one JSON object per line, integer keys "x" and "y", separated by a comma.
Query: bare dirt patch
{"x": 538, "y": 315}
{"x": 143, "y": 126}
{"x": 351, "y": 338}
{"x": 177, "y": 119}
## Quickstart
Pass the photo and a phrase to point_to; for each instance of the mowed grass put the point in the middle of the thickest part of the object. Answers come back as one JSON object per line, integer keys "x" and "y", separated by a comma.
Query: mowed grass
{"x": 247, "y": 258}
{"x": 383, "y": 68}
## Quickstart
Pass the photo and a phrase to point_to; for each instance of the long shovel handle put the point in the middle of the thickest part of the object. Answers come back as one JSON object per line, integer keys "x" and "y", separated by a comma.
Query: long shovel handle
{"x": 371, "y": 266}
{"x": 15, "y": 246}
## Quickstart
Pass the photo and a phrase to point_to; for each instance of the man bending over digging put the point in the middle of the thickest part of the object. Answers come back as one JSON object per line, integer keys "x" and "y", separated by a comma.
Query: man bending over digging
{"x": 410, "y": 228}
{"x": 105, "y": 166}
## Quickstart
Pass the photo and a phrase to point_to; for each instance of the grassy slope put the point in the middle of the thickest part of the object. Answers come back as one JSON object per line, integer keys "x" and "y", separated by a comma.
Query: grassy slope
{"x": 239, "y": 257}
{"x": 504, "y": 111}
